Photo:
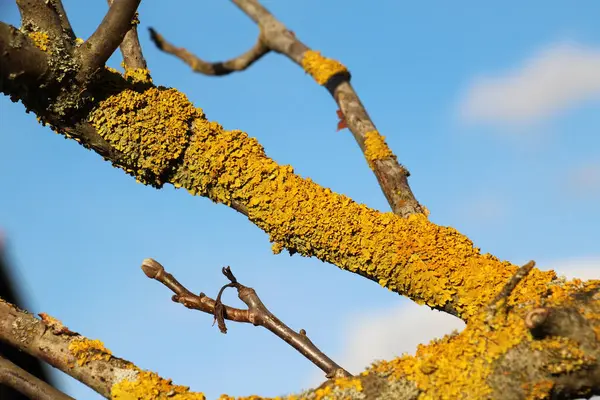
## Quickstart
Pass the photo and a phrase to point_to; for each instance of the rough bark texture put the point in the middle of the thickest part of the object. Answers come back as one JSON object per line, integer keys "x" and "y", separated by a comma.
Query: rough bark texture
{"x": 156, "y": 135}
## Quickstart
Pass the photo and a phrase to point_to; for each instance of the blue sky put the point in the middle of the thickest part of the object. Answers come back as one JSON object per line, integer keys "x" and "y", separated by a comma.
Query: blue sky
{"x": 522, "y": 186}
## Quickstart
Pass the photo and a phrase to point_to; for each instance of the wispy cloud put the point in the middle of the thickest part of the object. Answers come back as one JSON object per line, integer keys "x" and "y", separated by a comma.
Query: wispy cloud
{"x": 387, "y": 333}
{"x": 556, "y": 78}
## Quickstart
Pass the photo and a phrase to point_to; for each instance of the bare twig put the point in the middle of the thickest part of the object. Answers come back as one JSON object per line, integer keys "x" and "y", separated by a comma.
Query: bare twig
{"x": 499, "y": 301}
{"x": 22, "y": 381}
{"x": 392, "y": 177}
{"x": 107, "y": 37}
{"x": 211, "y": 68}
{"x": 131, "y": 48}
{"x": 256, "y": 314}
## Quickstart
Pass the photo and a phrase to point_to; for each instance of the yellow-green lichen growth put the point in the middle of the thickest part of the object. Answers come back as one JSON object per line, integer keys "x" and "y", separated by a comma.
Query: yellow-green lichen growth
{"x": 431, "y": 264}
{"x": 376, "y": 148}
{"x": 564, "y": 355}
{"x": 136, "y": 19}
{"x": 40, "y": 40}
{"x": 151, "y": 127}
{"x": 449, "y": 367}
{"x": 321, "y": 68}
{"x": 137, "y": 75}
{"x": 149, "y": 386}
{"x": 342, "y": 388}
{"x": 86, "y": 350}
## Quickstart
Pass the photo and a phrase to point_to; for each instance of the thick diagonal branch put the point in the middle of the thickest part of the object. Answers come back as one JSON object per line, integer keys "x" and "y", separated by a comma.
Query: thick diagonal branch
{"x": 97, "y": 49}
{"x": 22, "y": 381}
{"x": 211, "y": 68}
{"x": 256, "y": 314}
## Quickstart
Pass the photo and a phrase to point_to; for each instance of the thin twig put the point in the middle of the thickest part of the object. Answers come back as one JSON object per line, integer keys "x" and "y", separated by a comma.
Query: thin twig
{"x": 256, "y": 314}
{"x": 133, "y": 58}
{"x": 391, "y": 175}
{"x": 95, "y": 51}
{"x": 22, "y": 381}
{"x": 211, "y": 68}
{"x": 501, "y": 298}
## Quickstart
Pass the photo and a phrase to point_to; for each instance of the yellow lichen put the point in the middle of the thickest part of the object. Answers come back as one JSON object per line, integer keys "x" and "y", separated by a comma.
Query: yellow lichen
{"x": 431, "y": 264}
{"x": 137, "y": 75}
{"x": 539, "y": 390}
{"x": 564, "y": 355}
{"x": 321, "y": 68}
{"x": 376, "y": 148}
{"x": 40, "y": 40}
{"x": 149, "y": 386}
{"x": 86, "y": 350}
{"x": 151, "y": 127}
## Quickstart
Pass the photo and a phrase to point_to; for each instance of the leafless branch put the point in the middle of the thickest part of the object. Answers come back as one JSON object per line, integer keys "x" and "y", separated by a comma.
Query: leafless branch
{"x": 62, "y": 15}
{"x": 211, "y": 68}
{"x": 86, "y": 360}
{"x": 392, "y": 176}
{"x": 22, "y": 381}
{"x": 107, "y": 37}
{"x": 42, "y": 16}
{"x": 131, "y": 48}
{"x": 21, "y": 63}
{"x": 256, "y": 314}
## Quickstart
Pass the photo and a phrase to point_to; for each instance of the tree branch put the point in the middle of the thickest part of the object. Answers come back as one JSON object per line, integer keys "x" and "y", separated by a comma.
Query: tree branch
{"x": 22, "y": 381}
{"x": 256, "y": 314}
{"x": 392, "y": 176}
{"x": 62, "y": 15}
{"x": 95, "y": 51}
{"x": 131, "y": 49}
{"x": 211, "y": 68}
{"x": 22, "y": 65}
{"x": 42, "y": 17}
{"x": 430, "y": 264}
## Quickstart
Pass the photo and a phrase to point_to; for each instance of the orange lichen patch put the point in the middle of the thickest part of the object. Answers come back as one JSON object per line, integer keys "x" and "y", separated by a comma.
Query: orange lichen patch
{"x": 40, "y": 40}
{"x": 136, "y": 19}
{"x": 376, "y": 148}
{"x": 55, "y": 325}
{"x": 137, "y": 75}
{"x": 86, "y": 350}
{"x": 342, "y": 388}
{"x": 564, "y": 354}
{"x": 431, "y": 264}
{"x": 539, "y": 390}
{"x": 453, "y": 365}
{"x": 149, "y": 386}
{"x": 321, "y": 68}
{"x": 150, "y": 127}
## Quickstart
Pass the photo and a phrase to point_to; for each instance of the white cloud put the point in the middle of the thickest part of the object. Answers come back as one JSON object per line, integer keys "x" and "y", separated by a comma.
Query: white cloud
{"x": 556, "y": 78}
{"x": 387, "y": 333}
